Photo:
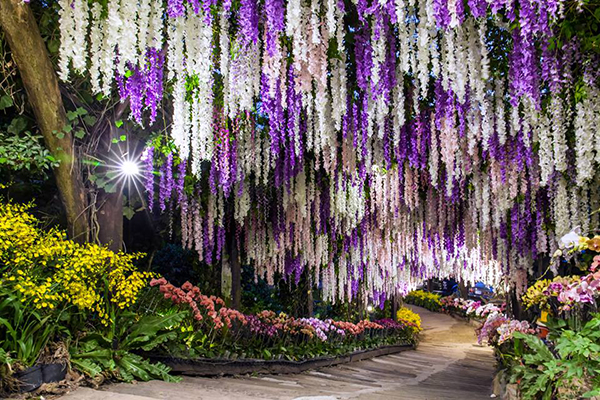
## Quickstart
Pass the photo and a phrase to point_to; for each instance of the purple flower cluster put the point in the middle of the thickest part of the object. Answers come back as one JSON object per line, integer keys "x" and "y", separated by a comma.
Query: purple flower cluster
{"x": 523, "y": 71}
{"x": 224, "y": 162}
{"x": 248, "y": 20}
{"x": 144, "y": 86}
{"x": 258, "y": 327}
{"x": 166, "y": 182}
{"x": 364, "y": 57}
{"x": 442, "y": 14}
{"x": 275, "y": 24}
{"x": 175, "y": 8}
{"x": 323, "y": 327}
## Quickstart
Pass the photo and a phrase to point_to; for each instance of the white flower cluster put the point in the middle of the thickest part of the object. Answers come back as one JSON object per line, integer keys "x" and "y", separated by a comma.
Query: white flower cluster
{"x": 73, "y": 45}
{"x": 584, "y": 138}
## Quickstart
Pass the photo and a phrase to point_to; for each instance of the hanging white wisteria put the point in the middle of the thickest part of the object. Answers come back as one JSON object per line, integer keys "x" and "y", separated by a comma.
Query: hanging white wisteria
{"x": 372, "y": 144}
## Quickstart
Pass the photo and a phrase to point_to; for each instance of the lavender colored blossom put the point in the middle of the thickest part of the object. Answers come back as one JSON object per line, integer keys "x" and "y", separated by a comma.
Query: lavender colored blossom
{"x": 364, "y": 57}
{"x": 166, "y": 182}
{"x": 148, "y": 159}
{"x": 441, "y": 13}
{"x": 275, "y": 24}
{"x": 248, "y": 20}
{"x": 523, "y": 70}
{"x": 479, "y": 7}
{"x": 175, "y": 8}
{"x": 144, "y": 86}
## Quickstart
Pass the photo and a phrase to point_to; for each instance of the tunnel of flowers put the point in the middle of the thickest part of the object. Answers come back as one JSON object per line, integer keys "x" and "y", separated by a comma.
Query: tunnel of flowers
{"x": 272, "y": 179}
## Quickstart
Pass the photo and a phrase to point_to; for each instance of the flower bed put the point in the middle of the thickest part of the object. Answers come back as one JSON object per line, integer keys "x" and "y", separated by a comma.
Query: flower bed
{"x": 407, "y": 315}
{"x": 212, "y": 330}
{"x": 107, "y": 316}
{"x": 421, "y": 298}
{"x": 469, "y": 309}
{"x": 560, "y": 358}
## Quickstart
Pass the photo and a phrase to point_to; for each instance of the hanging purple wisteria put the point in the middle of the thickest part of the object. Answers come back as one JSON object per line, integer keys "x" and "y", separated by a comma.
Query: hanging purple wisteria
{"x": 371, "y": 144}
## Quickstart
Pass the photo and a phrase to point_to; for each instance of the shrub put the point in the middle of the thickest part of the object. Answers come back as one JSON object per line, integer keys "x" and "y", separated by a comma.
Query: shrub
{"x": 424, "y": 299}
{"x": 566, "y": 368}
{"x": 51, "y": 286}
{"x": 409, "y": 316}
{"x": 50, "y": 271}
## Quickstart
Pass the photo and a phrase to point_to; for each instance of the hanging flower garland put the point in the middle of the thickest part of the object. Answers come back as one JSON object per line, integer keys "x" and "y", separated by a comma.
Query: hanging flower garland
{"x": 371, "y": 144}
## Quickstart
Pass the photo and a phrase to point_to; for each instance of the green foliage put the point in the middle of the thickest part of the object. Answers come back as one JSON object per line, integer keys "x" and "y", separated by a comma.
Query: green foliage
{"x": 568, "y": 367}
{"x": 5, "y": 102}
{"x": 258, "y": 295}
{"x": 114, "y": 351}
{"x": 20, "y": 150}
{"x": 582, "y": 20}
{"x": 24, "y": 331}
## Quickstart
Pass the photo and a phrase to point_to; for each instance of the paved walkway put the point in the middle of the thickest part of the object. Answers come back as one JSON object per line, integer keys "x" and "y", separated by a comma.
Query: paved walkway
{"x": 447, "y": 365}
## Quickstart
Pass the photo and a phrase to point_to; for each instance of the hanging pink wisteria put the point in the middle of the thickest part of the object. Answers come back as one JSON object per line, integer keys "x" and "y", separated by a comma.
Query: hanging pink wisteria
{"x": 371, "y": 144}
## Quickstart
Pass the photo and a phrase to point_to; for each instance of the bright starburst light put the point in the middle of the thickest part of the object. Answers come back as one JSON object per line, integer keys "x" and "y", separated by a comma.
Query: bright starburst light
{"x": 130, "y": 168}
{"x": 122, "y": 169}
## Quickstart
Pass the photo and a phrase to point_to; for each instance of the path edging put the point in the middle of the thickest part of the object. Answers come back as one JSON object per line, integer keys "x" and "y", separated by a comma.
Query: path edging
{"x": 473, "y": 322}
{"x": 220, "y": 367}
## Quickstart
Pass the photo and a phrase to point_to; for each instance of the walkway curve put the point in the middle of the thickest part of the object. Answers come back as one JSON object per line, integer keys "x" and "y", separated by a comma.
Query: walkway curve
{"x": 448, "y": 364}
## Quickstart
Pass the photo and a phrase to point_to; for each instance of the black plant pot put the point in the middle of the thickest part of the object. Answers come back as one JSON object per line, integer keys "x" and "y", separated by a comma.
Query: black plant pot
{"x": 30, "y": 378}
{"x": 54, "y": 372}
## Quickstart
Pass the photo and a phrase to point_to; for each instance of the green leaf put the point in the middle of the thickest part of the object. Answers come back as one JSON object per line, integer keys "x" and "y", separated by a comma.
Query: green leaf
{"x": 158, "y": 340}
{"x": 53, "y": 46}
{"x": 60, "y": 135}
{"x": 79, "y": 134}
{"x": 536, "y": 344}
{"x": 88, "y": 367}
{"x": 123, "y": 138}
{"x": 90, "y": 120}
{"x": 115, "y": 141}
{"x": 5, "y": 102}
{"x": 111, "y": 188}
{"x": 17, "y": 125}
{"x": 148, "y": 326}
{"x": 119, "y": 123}
{"x": 593, "y": 393}
{"x": 128, "y": 212}
{"x": 72, "y": 115}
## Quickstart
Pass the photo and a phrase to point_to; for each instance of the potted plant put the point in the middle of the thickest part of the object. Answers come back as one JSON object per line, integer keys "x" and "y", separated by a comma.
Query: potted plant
{"x": 25, "y": 333}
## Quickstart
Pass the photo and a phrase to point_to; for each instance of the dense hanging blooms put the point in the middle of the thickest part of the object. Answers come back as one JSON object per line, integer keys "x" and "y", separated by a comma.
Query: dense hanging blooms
{"x": 367, "y": 144}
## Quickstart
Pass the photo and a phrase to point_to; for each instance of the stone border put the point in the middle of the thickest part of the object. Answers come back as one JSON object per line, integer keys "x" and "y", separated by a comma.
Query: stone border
{"x": 220, "y": 367}
{"x": 473, "y": 322}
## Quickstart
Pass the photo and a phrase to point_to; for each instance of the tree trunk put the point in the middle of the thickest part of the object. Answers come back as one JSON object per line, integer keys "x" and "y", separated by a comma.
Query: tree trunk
{"x": 236, "y": 274}
{"x": 41, "y": 84}
{"x": 226, "y": 279}
{"x": 109, "y": 206}
{"x": 110, "y": 219}
{"x": 310, "y": 309}
{"x": 462, "y": 289}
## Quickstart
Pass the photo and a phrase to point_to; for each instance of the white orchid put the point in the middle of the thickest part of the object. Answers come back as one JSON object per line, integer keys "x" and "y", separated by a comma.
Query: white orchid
{"x": 569, "y": 240}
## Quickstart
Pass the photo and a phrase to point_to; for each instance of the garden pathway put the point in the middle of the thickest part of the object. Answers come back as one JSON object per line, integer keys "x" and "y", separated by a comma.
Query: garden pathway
{"x": 448, "y": 364}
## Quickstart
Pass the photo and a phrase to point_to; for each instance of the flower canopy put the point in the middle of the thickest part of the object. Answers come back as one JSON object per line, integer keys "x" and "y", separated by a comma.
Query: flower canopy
{"x": 373, "y": 143}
